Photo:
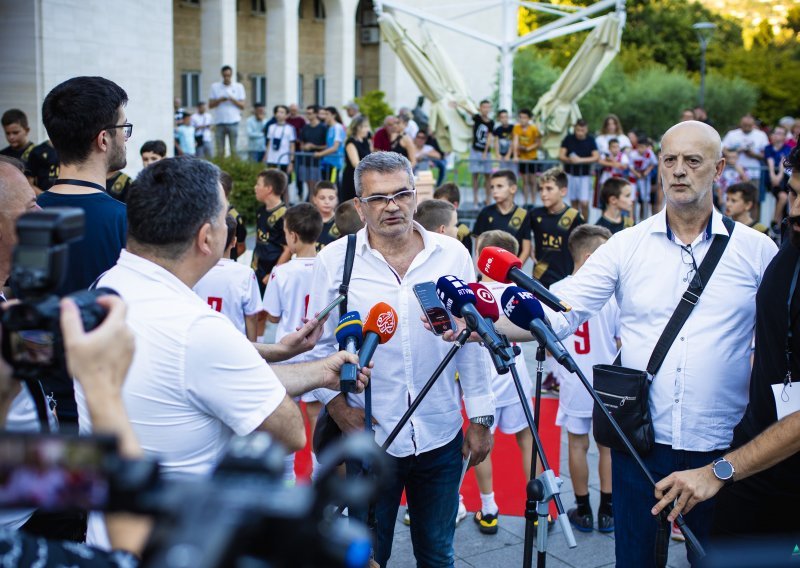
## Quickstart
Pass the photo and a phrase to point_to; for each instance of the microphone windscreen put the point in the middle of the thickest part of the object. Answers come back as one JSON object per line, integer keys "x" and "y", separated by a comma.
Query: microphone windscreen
{"x": 454, "y": 293}
{"x": 381, "y": 319}
{"x": 349, "y": 326}
{"x": 496, "y": 263}
{"x": 484, "y": 301}
{"x": 520, "y": 306}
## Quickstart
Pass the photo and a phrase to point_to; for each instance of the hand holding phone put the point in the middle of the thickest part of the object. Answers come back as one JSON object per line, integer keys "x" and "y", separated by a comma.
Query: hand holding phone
{"x": 433, "y": 308}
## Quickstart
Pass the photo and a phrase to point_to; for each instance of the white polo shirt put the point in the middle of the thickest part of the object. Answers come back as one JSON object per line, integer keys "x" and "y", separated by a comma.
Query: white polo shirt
{"x": 226, "y": 112}
{"x": 404, "y": 364}
{"x": 701, "y": 390}
{"x": 231, "y": 289}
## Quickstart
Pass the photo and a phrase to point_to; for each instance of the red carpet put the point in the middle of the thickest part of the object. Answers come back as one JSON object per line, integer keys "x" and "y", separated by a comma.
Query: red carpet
{"x": 509, "y": 482}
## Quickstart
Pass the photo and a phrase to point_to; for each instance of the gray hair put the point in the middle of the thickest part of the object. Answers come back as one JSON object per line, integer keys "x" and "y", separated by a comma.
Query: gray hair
{"x": 383, "y": 163}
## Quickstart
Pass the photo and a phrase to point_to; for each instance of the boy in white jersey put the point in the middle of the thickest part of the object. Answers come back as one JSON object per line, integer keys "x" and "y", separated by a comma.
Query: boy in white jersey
{"x": 594, "y": 342}
{"x": 286, "y": 296}
{"x": 509, "y": 413}
{"x": 231, "y": 288}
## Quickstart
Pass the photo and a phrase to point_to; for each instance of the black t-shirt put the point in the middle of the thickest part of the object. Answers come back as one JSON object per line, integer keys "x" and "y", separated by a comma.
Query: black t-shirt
{"x": 241, "y": 230}
{"x": 314, "y": 134}
{"x": 465, "y": 236}
{"x": 550, "y": 234}
{"x": 270, "y": 239}
{"x": 516, "y": 222}
{"x": 769, "y": 367}
{"x": 615, "y": 227}
{"x": 581, "y": 148}
{"x": 503, "y": 134}
{"x": 480, "y": 132}
{"x": 43, "y": 165}
{"x": 330, "y": 232}
{"x": 118, "y": 186}
{"x": 21, "y": 154}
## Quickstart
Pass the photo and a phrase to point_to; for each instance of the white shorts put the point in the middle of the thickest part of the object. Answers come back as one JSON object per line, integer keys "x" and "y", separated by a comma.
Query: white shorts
{"x": 574, "y": 424}
{"x": 580, "y": 188}
{"x": 510, "y": 419}
{"x": 478, "y": 164}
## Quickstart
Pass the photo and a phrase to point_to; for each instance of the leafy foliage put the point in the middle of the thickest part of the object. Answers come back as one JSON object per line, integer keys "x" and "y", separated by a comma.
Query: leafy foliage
{"x": 244, "y": 174}
{"x": 374, "y": 106}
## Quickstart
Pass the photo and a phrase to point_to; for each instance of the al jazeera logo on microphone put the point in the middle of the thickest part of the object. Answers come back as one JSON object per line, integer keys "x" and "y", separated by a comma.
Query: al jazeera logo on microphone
{"x": 386, "y": 322}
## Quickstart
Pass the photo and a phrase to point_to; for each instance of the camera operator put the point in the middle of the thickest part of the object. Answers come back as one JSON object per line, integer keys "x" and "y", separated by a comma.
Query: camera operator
{"x": 100, "y": 359}
{"x": 195, "y": 380}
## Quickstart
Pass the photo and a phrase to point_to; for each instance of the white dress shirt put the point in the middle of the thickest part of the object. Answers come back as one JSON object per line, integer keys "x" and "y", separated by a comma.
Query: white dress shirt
{"x": 701, "y": 390}
{"x": 405, "y": 363}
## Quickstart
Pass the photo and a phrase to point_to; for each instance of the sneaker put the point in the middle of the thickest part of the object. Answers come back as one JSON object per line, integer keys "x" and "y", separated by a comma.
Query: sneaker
{"x": 487, "y": 524}
{"x": 462, "y": 513}
{"x": 677, "y": 535}
{"x": 583, "y": 523}
{"x": 406, "y": 518}
{"x": 605, "y": 523}
{"x": 550, "y": 384}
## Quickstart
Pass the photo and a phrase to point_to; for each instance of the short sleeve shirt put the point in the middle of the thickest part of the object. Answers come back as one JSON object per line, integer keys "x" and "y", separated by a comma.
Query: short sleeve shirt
{"x": 231, "y": 289}
{"x": 280, "y": 138}
{"x": 480, "y": 132}
{"x": 516, "y": 222}
{"x": 226, "y": 112}
{"x": 287, "y": 295}
{"x": 43, "y": 165}
{"x": 551, "y": 232}
{"x": 503, "y": 135}
{"x": 270, "y": 239}
{"x": 527, "y": 137}
{"x": 582, "y": 149}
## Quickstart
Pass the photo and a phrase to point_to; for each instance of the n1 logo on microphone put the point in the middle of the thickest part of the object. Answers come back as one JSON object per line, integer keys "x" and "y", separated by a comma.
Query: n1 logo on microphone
{"x": 386, "y": 322}
{"x": 485, "y": 295}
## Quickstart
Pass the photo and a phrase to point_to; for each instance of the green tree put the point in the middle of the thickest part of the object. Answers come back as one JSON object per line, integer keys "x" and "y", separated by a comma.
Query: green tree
{"x": 373, "y": 105}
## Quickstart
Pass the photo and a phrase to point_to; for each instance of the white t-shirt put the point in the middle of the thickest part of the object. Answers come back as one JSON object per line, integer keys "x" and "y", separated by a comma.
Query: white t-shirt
{"x": 740, "y": 141}
{"x": 593, "y": 343}
{"x": 280, "y": 138}
{"x": 231, "y": 289}
{"x": 602, "y": 142}
{"x": 505, "y": 393}
{"x": 226, "y": 112}
{"x": 287, "y": 296}
{"x": 202, "y": 125}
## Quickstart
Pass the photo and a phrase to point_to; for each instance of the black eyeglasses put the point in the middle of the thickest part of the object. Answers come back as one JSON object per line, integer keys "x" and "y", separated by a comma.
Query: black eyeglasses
{"x": 688, "y": 259}
{"x": 380, "y": 201}
{"x": 128, "y": 129}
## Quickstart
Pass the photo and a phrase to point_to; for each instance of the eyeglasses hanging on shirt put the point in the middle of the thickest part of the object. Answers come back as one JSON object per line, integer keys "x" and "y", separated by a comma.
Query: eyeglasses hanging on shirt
{"x": 688, "y": 259}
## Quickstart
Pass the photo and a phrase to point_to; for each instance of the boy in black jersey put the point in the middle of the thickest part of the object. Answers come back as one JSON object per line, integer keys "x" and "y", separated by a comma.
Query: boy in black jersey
{"x": 43, "y": 166}
{"x": 503, "y": 138}
{"x": 15, "y": 126}
{"x": 504, "y": 215}
{"x": 226, "y": 181}
{"x": 324, "y": 196}
{"x": 616, "y": 197}
{"x": 739, "y": 201}
{"x": 452, "y": 194}
{"x": 270, "y": 247}
{"x": 479, "y": 159}
{"x": 552, "y": 224}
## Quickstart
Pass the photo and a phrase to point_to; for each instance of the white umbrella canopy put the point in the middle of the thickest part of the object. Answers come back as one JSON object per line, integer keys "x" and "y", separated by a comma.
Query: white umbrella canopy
{"x": 557, "y": 110}
{"x": 437, "y": 79}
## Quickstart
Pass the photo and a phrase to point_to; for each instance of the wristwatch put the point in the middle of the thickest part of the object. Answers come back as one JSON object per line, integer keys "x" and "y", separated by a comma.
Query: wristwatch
{"x": 723, "y": 470}
{"x": 487, "y": 420}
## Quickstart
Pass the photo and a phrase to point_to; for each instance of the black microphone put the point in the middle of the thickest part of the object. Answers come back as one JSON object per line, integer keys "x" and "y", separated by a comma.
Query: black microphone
{"x": 502, "y": 266}
{"x": 525, "y": 311}
{"x": 460, "y": 300}
{"x": 348, "y": 334}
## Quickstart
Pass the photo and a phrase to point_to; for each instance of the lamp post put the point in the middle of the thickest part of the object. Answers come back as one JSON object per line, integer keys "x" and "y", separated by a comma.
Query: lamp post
{"x": 704, "y": 31}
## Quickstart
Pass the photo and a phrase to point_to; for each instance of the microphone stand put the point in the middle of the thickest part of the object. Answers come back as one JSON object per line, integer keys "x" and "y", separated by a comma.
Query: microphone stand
{"x": 691, "y": 539}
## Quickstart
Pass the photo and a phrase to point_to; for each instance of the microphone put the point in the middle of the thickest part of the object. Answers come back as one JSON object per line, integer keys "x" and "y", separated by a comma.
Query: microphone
{"x": 460, "y": 300}
{"x": 348, "y": 334}
{"x": 379, "y": 327}
{"x": 502, "y": 266}
{"x": 525, "y": 311}
{"x": 487, "y": 307}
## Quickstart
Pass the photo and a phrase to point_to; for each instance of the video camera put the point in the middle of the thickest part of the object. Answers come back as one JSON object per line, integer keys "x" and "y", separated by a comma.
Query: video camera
{"x": 32, "y": 342}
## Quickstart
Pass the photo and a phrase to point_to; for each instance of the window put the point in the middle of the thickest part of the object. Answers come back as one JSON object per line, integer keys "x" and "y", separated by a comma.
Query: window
{"x": 359, "y": 87}
{"x": 319, "y": 90}
{"x": 258, "y": 88}
{"x": 192, "y": 2}
{"x": 258, "y": 6}
{"x": 319, "y": 9}
{"x": 190, "y": 88}
{"x": 300, "y": 98}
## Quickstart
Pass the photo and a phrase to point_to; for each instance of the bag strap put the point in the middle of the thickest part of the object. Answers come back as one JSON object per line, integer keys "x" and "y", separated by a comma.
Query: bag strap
{"x": 690, "y": 298}
{"x": 349, "y": 257}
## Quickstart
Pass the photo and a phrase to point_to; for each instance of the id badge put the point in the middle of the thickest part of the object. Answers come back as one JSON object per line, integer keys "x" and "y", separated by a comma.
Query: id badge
{"x": 787, "y": 398}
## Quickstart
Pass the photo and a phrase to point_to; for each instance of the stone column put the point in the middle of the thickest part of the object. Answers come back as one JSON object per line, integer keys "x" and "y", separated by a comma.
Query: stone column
{"x": 217, "y": 41}
{"x": 340, "y": 51}
{"x": 282, "y": 52}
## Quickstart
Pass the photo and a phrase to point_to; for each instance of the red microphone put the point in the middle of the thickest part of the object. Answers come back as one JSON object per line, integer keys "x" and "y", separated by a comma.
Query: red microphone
{"x": 379, "y": 327}
{"x": 502, "y": 266}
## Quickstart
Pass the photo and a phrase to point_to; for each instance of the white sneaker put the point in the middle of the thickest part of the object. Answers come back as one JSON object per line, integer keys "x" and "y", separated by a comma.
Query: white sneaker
{"x": 462, "y": 513}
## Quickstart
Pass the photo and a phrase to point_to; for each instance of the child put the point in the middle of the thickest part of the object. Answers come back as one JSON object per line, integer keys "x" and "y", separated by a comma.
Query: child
{"x": 775, "y": 153}
{"x": 281, "y": 138}
{"x": 152, "y": 151}
{"x": 578, "y": 152}
{"x": 118, "y": 184}
{"x": 594, "y": 342}
{"x": 270, "y": 248}
{"x": 479, "y": 162}
{"x": 438, "y": 216}
{"x": 526, "y": 140}
{"x": 286, "y": 297}
{"x": 503, "y": 214}
{"x": 740, "y": 200}
{"x": 324, "y": 197}
{"x": 347, "y": 219}
{"x": 732, "y": 174}
{"x": 642, "y": 161}
{"x": 226, "y": 181}
{"x": 509, "y": 413}
{"x": 503, "y": 136}
{"x": 615, "y": 163}
{"x": 449, "y": 192}
{"x": 184, "y": 135}
{"x": 616, "y": 197}
{"x": 15, "y": 126}
{"x": 231, "y": 288}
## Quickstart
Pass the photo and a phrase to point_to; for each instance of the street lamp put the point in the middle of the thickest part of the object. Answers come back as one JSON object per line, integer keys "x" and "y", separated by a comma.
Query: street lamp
{"x": 704, "y": 31}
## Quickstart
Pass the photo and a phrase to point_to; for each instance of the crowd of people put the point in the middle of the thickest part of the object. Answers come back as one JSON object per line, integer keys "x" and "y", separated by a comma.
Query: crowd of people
{"x": 168, "y": 241}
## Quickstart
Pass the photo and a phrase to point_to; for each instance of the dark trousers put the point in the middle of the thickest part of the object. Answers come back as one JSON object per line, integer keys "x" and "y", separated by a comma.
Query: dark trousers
{"x": 634, "y": 526}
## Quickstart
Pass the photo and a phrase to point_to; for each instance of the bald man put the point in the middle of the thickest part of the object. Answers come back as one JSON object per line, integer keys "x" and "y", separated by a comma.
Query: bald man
{"x": 16, "y": 198}
{"x": 700, "y": 391}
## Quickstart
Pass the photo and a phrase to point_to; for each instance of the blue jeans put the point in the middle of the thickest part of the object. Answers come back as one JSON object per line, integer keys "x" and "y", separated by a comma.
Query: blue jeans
{"x": 431, "y": 484}
{"x": 633, "y": 497}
